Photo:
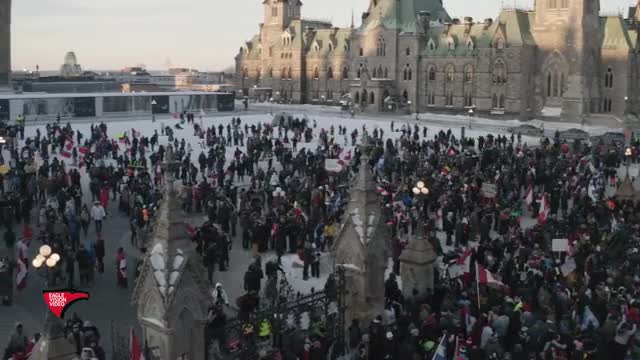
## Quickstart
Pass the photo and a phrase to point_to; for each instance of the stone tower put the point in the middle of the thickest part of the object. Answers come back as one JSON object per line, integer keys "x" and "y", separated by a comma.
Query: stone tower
{"x": 280, "y": 13}
{"x": 5, "y": 44}
{"x": 53, "y": 344}
{"x": 172, "y": 292}
{"x": 568, "y": 36}
{"x": 360, "y": 247}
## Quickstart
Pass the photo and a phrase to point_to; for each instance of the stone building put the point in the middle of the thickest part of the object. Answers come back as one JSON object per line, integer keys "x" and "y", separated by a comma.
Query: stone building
{"x": 5, "y": 45}
{"x": 561, "y": 58}
{"x": 172, "y": 292}
{"x": 70, "y": 68}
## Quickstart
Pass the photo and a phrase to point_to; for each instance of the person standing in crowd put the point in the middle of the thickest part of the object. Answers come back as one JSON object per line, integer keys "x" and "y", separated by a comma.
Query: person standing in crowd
{"x": 98, "y": 214}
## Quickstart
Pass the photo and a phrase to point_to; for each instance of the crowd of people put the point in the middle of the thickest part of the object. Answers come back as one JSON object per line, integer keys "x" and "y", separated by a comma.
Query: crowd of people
{"x": 495, "y": 208}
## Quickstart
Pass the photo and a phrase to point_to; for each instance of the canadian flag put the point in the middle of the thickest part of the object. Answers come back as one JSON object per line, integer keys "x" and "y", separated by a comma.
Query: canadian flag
{"x": 485, "y": 277}
{"x": 462, "y": 265}
{"x": 135, "y": 349}
{"x": 380, "y": 190}
{"x": 21, "y": 275}
{"x": 529, "y": 197}
{"x": 544, "y": 209}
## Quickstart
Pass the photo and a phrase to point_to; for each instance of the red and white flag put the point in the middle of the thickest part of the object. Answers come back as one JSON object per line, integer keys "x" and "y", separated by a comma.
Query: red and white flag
{"x": 485, "y": 277}
{"x": 135, "y": 348}
{"x": 21, "y": 275}
{"x": 380, "y": 190}
{"x": 462, "y": 265}
{"x": 68, "y": 144}
{"x": 543, "y": 214}
{"x": 529, "y": 197}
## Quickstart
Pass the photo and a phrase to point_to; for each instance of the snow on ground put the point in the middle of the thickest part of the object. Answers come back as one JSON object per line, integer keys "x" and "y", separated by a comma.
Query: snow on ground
{"x": 325, "y": 118}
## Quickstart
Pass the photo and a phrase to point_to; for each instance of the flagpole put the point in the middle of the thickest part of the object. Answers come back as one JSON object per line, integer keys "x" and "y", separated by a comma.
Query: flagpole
{"x": 438, "y": 347}
{"x": 478, "y": 284}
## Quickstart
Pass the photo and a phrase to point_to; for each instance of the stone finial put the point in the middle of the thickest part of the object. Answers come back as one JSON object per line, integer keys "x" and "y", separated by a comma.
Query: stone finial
{"x": 169, "y": 155}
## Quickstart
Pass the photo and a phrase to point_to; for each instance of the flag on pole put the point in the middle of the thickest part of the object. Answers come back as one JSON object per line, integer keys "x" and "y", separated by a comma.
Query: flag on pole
{"x": 134, "y": 347}
{"x": 461, "y": 266}
{"x": 22, "y": 272}
{"x": 529, "y": 197}
{"x": 485, "y": 277}
{"x": 544, "y": 209}
{"x": 441, "y": 351}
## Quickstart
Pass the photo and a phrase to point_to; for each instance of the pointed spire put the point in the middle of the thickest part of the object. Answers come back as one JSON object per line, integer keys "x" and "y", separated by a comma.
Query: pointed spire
{"x": 353, "y": 21}
{"x": 53, "y": 344}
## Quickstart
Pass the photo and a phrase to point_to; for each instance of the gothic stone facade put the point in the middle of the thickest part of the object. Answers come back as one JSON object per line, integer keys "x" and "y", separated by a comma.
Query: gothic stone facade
{"x": 561, "y": 58}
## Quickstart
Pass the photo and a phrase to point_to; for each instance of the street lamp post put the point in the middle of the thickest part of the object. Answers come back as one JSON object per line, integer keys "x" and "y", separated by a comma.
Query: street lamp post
{"x": 627, "y": 154}
{"x": 45, "y": 260}
{"x": 420, "y": 191}
{"x": 409, "y": 107}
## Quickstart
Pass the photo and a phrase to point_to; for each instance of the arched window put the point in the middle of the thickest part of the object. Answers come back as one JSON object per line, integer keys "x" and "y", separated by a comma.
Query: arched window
{"x": 361, "y": 52}
{"x": 494, "y": 101}
{"x": 405, "y": 96}
{"x": 345, "y": 73}
{"x": 608, "y": 79}
{"x": 549, "y": 84}
{"x": 316, "y": 73}
{"x": 290, "y": 73}
{"x": 561, "y": 84}
{"x": 410, "y": 77}
{"x": 386, "y": 73}
{"x": 363, "y": 98}
{"x": 375, "y": 73}
{"x": 501, "y": 104}
{"x": 381, "y": 48}
{"x": 450, "y": 72}
{"x": 432, "y": 74}
{"x": 555, "y": 84}
{"x": 329, "y": 73}
{"x": 283, "y": 74}
{"x": 356, "y": 98}
{"x": 359, "y": 72}
{"x": 372, "y": 98}
{"x": 499, "y": 73}
{"x": 468, "y": 73}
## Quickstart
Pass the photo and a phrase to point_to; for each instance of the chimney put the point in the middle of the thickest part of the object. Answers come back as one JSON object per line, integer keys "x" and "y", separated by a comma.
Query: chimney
{"x": 487, "y": 23}
{"x": 468, "y": 22}
{"x": 425, "y": 20}
{"x": 455, "y": 21}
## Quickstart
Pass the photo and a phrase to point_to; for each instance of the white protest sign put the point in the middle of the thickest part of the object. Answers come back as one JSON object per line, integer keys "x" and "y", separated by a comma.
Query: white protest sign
{"x": 560, "y": 245}
{"x": 489, "y": 190}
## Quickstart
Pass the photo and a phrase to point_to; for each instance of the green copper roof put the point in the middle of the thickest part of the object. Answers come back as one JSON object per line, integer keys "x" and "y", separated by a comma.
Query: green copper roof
{"x": 615, "y": 34}
{"x": 401, "y": 14}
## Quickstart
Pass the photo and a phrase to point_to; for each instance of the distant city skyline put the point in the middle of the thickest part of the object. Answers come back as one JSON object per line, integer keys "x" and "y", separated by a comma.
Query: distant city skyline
{"x": 205, "y": 35}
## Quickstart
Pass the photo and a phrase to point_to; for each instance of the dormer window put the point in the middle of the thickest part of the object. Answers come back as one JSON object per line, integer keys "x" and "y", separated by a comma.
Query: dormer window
{"x": 431, "y": 45}
{"x": 451, "y": 45}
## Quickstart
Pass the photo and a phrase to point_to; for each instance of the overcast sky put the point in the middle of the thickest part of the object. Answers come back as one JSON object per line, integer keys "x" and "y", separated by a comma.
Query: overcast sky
{"x": 202, "y": 34}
